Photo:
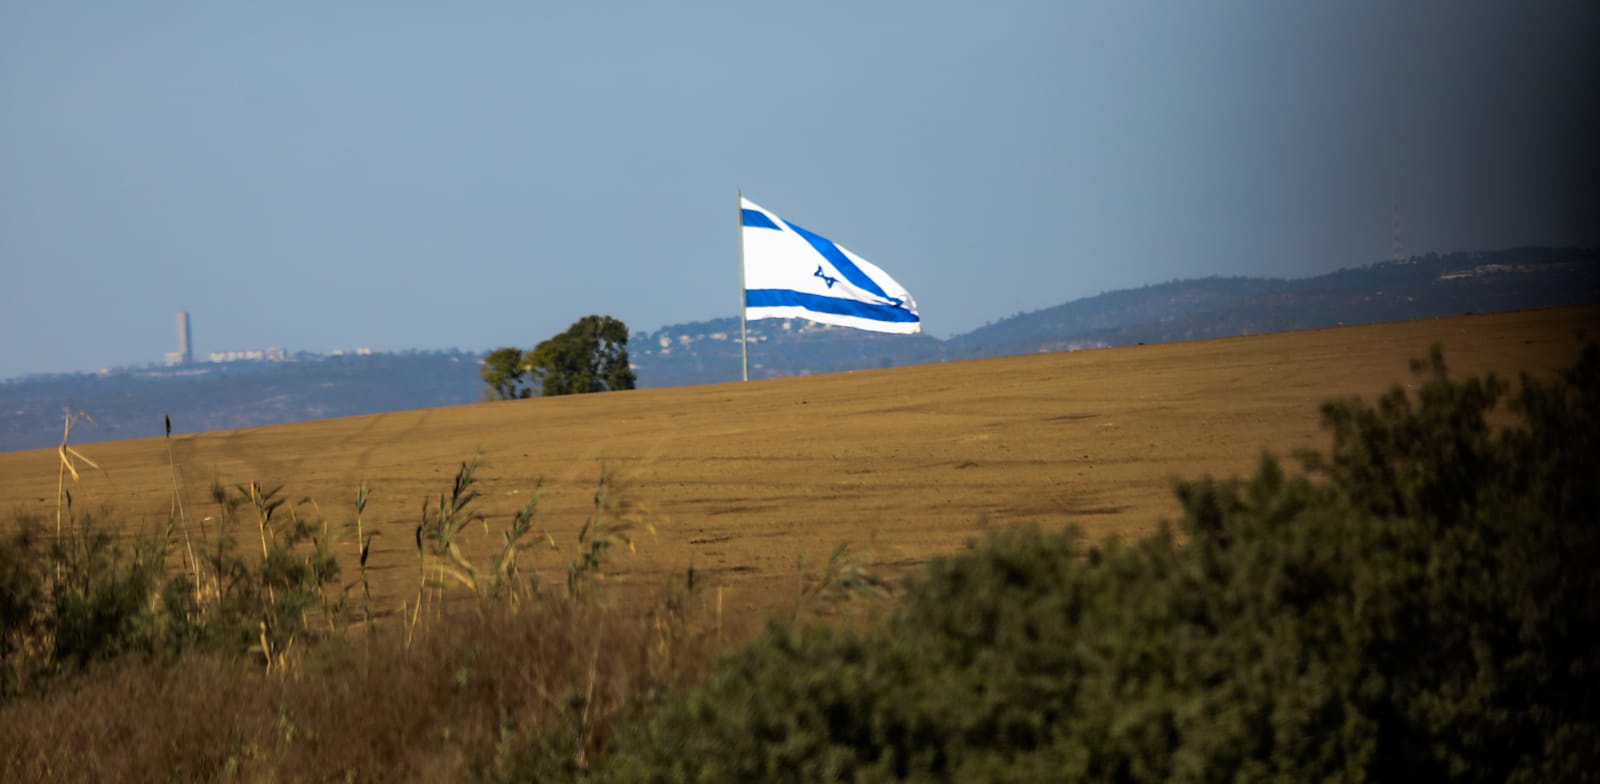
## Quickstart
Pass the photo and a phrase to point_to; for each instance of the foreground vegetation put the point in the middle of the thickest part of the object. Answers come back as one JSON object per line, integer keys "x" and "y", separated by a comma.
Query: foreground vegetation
{"x": 1420, "y": 602}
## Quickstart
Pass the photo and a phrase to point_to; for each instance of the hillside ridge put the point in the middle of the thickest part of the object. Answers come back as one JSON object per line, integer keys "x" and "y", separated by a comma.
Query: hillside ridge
{"x": 229, "y": 396}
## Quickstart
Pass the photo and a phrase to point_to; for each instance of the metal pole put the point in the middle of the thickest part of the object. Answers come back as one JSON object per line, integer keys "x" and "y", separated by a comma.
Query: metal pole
{"x": 744, "y": 335}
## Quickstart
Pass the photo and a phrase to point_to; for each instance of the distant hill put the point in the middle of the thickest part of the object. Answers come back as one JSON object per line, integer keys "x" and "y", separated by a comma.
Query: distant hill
{"x": 234, "y": 395}
{"x": 1424, "y": 287}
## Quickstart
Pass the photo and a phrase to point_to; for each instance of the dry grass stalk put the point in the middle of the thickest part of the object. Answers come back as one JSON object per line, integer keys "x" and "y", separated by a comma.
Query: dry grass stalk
{"x": 363, "y": 550}
{"x": 266, "y": 503}
{"x": 67, "y": 453}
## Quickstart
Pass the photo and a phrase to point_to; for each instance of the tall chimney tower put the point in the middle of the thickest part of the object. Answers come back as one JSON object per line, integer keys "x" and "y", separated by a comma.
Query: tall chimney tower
{"x": 185, "y": 348}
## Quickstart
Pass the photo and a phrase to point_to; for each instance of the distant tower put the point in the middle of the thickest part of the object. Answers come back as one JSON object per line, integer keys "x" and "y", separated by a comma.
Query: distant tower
{"x": 185, "y": 348}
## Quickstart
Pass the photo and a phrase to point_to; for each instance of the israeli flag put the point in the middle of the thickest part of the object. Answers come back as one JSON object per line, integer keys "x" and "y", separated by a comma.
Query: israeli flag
{"x": 792, "y": 273}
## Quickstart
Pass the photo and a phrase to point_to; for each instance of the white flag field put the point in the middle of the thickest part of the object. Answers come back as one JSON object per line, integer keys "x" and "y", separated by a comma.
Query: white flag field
{"x": 793, "y": 273}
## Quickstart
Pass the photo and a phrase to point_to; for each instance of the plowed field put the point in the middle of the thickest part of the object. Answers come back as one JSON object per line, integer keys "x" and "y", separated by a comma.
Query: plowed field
{"x": 902, "y": 464}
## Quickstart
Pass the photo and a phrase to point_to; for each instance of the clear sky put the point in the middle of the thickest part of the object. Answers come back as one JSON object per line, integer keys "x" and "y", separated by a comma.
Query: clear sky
{"x": 317, "y": 175}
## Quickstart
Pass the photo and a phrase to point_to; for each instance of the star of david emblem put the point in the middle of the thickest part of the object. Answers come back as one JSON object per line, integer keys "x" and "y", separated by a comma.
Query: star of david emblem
{"x": 825, "y": 278}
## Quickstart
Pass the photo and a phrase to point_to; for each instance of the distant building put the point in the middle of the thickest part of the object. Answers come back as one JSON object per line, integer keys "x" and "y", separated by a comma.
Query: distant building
{"x": 185, "y": 347}
{"x": 273, "y": 354}
{"x": 238, "y": 356}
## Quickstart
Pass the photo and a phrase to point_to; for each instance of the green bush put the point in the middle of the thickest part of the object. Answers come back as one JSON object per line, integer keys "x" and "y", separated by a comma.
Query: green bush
{"x": 68, "y": 601}
{"x": 86, "y": 594}
{"x": 1420, "y": 603}
{"x": 262, "y": 604}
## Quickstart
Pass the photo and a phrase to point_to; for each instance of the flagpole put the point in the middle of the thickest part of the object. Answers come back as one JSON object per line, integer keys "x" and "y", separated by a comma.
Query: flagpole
{"x": 744, "y": 336}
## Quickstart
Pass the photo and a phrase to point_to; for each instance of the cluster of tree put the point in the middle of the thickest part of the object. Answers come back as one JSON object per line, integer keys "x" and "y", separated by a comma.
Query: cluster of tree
{"x": 591, "y": 356}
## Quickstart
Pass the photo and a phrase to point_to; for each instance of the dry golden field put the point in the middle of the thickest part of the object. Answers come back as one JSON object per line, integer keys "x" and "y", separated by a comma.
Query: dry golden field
{"x": 902, "y": 464}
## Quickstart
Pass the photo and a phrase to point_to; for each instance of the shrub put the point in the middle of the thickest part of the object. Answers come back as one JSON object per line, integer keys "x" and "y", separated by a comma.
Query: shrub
{"x": 84, "y": 595}
{"x": 1420, "y": 603}
{"x": 68, "y": 601}
{"x": 526, "y": 685}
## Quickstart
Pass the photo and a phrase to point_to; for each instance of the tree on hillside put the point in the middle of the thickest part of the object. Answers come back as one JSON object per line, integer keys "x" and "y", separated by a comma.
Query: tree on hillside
{"x": 503, "y": 372}
{"x": 591, "y": 356}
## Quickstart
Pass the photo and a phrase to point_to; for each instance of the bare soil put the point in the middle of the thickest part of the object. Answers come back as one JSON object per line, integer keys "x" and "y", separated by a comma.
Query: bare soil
{"x": 902, "y": 464}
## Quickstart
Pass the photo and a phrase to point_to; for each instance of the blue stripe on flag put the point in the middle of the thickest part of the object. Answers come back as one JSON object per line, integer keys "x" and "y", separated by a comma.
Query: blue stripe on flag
{"x": 758, "y": 219}
{"x": 779, "y": 298}
{"x": 841, "y": 262}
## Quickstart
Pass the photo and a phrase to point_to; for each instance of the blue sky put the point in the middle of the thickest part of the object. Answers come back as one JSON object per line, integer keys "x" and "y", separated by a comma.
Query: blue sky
{"x": 423, "y": 175}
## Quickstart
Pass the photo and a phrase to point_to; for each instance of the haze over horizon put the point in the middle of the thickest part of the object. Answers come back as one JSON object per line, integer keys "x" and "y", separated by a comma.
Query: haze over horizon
{"x": 315, "y": 177}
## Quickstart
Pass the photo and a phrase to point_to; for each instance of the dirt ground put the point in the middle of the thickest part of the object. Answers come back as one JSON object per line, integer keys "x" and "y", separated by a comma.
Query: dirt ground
{"x": 902, "y": 464}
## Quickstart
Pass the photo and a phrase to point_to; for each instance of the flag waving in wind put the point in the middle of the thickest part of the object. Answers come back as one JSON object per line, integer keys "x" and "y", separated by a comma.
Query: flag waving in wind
{"x": 792, "y": 273}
